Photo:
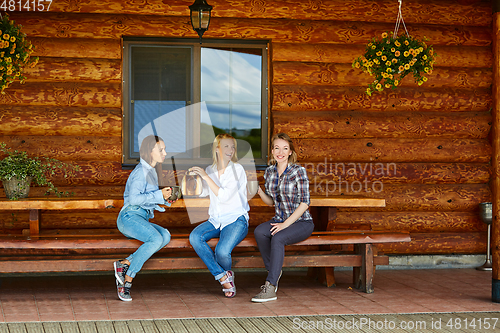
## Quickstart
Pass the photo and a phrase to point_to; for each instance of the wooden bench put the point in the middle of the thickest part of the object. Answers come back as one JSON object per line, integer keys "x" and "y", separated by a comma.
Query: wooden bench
{"x": 95, "y": 250}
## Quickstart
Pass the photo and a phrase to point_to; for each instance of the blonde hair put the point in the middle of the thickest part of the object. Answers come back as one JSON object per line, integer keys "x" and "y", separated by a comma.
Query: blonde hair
{"x": 216, "y": 144}
{"x": 283, "y": 136}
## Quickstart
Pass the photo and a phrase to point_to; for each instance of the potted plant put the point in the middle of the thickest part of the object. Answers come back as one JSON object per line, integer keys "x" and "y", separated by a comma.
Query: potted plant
{"x": 18, "y": 170}
{"x": 390, "y": 59}
{"x": 15, "y": 53}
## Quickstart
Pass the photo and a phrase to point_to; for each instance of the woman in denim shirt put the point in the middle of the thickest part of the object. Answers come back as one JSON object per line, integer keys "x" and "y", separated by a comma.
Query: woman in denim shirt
{"x": 141, "y": 198}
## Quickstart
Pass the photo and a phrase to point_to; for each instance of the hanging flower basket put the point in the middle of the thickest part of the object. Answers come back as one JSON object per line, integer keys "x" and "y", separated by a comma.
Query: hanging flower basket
{"x": 15, "y": 53}
{"x": 389, "y": 60}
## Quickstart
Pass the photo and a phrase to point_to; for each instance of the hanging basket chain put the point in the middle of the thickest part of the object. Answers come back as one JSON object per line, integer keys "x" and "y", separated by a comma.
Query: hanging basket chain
{"x": 399, "y": 20}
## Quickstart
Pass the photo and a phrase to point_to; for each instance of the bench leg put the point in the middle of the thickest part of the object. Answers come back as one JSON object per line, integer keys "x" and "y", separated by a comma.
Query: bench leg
{"x": 34, "y": 221}
{"x": 324, "y": 275}
{"x": 363, "y": 276}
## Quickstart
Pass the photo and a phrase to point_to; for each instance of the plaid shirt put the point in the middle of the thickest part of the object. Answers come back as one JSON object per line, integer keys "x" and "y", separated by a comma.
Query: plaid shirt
{"x": 288, "y": 190}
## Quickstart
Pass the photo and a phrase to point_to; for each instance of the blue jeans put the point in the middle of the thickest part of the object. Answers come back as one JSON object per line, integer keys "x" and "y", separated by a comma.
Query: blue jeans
{"x": 133, "y": 222}
{"x": 218, "y": 262}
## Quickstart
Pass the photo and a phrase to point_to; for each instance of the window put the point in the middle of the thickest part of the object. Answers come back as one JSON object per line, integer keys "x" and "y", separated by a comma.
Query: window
{"x": 187, "y": 93}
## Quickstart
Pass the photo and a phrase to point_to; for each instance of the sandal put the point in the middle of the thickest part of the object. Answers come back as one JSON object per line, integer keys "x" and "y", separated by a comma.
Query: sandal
{"x": 230, "y": 280}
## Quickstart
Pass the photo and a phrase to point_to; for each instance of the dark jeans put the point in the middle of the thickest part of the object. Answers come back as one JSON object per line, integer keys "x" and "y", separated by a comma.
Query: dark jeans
{"x": 272, "y": 248}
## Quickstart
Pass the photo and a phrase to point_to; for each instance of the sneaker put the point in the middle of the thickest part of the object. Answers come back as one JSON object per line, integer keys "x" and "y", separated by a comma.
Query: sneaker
{"x": 268, "y": 293}
{"x": 120, "y": 271}
{"x": 124, "y": 291}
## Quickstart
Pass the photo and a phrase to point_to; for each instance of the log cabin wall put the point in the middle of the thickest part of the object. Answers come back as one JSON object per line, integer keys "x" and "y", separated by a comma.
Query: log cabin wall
{"x": 423, "y": 148}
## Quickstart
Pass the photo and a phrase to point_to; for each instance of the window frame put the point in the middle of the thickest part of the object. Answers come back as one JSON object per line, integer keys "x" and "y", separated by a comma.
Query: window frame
{"x": 181, "y": 163}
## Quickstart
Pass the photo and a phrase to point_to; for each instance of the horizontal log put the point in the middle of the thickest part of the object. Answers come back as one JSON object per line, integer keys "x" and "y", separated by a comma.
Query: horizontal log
{"x": 405, "y": 197}
{"x": 394, "y": 150}
{"x": 60, "y": 121}
{"x": 289, "y": 31}
{"x": 112, "y": 173}
{"x": 77, "y": 47}
{"x": 105, "y": 95}
{"x": 423, "y": 12}
{"x": 439, "y": 243}
{"x": 307, "y": 73}
{"x": 414, "y": 222}
{"x": 64, "y": 148}
{"x": 75, "y": 70}
{"x": 343, "y": 124}
{"x": 411, "y": 197}
{"x": 398, "y": 173}
{"x": 448, "y": 56}
{"x": 321, "y": 98}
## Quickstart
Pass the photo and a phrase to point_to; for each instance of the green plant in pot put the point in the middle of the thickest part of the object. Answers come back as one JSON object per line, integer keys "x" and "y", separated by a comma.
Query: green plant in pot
{"x": 18, "y": 170}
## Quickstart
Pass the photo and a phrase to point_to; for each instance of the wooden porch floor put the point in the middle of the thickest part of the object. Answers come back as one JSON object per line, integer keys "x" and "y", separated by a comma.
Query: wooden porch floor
{"x": 192, "y": 302}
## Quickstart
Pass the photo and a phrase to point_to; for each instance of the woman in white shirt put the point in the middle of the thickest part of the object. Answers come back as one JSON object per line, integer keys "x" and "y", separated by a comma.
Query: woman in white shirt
{"x": 226, "y": 183}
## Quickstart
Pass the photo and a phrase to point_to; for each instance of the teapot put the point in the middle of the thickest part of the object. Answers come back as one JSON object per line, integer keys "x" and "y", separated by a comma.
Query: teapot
{"x": 191, "y": 184}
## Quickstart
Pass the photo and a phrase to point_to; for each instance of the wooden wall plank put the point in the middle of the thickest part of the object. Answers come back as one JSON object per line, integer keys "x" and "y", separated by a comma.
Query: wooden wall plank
{"x": 287, "y": 31}
{"x": 77, "y": 47}
{"x": 398, "y": 173}
{"x": 307, "y": 73}
{"x": 66, "y": 148}
{"x": 76, "y": 70}
{"x": 353, "y": 124}
{"x": 320, "y": 98}
{"x": 416, "y": 222}
{"x": 409, "y": 197}
{"x": 112, "y": 173}
{"x": 394, "y": 150}
{"x": 448, "y": 56}
{"x": 417, "y": 12}
{"x": 439, "y": 243}
{"x": 105, "y": 95}
{"x": 60, "y": 121}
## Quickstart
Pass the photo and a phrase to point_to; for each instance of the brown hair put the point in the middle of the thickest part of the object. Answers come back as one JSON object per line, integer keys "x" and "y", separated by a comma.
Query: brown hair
{"x": 147, "y": 146}
{"x": 283, "y": 136}
{"x": 216, "y": 144}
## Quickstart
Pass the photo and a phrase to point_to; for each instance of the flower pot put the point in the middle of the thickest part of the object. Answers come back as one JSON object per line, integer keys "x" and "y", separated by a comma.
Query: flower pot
{"x": 17, "y": 188}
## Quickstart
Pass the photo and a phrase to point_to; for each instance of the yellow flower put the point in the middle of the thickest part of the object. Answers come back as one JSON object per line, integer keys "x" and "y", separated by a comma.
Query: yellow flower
{"x": 376, "y": 61}
{"x": 379, "y": 53}
{"x": 411, "y": 51}
{"x": 406, "y": 43}
{"x": 379, "y": 87}
{"x": 393, "y": 49}
{"x": 407, "y": 66}
{"x": 420, "y": 83}
{"x": 388, "y": 63}
{"x": 397, "y": 53}
{"x": 387, "y": 85}
{"x": 369, "y": 92}
{"x": 384, "y": 35}
{"x": 9, "y": 71}
{"x": 8, "y": 59}
{"x": 398, "y": 44}
{"x": 388, "y": 70}
{"x": 424, "y": 57}
{"x": 401, "y": 68}
{"x": 12, "y": 39}
{"x": 406, "y": 53}
{"x": 424, "y": 78}
{"x": 370, "y": 44}
{"x": 384, "y": 75}
{"x": 394, "y": 60}
{"x": 373, "y": 47}
{"x": 396, "y": 82}
{"x": 384, "y": 58}
{"x": 391, "y": 76}
{"x": 6, "y": 36}
{"x": 6, "y": 44}
{"x": 356, "y": 64}
{"x": 421, "y": 49}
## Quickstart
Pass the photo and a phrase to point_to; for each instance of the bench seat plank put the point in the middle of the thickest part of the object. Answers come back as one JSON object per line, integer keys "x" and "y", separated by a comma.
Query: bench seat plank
{"x": 119, "y": 241}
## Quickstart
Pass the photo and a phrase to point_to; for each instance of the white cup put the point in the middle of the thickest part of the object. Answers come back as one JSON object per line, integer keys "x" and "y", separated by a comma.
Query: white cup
{"x": 252, "y": 187}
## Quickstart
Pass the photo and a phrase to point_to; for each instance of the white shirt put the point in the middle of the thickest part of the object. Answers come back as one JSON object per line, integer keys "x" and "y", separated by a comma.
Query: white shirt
{"x": 231, "y": 202}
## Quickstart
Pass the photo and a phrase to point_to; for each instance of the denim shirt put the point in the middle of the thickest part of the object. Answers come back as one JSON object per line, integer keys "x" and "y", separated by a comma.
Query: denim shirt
{"x": 142, "y": 189}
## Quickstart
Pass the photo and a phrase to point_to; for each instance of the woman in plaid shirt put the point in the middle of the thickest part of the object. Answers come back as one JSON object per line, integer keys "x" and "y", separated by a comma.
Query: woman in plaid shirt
{"x": 287, "y": 188}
